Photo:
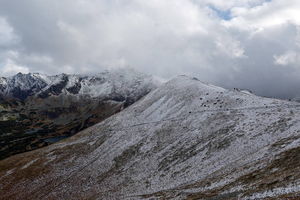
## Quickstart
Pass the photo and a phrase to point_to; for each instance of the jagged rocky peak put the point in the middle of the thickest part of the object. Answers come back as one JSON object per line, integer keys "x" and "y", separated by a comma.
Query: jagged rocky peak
{"x": 122, "y": 82}
{"x": 20, "y": 86}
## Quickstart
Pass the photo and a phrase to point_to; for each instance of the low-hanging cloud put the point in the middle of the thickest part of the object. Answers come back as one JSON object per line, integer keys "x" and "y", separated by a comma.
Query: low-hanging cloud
{"x": 256, "y": 46}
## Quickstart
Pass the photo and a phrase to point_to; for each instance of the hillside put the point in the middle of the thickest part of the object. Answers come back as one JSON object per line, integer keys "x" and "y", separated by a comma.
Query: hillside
{"x": 184, "y": 140}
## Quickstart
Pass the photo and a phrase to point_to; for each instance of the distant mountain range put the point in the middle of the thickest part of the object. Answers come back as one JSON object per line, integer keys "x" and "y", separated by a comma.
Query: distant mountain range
{"x": 119, "y": 84}
{"x": 184, "y": 140}
{"x": 37, "y": 110}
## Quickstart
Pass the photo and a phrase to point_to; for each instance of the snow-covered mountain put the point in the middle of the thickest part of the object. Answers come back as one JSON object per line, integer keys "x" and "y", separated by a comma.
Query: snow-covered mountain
{"x": 121, "y": 83}
{"x": 21, "y": 85}
{"x": 37, "y": 110}
{"x": 184, "y": 140}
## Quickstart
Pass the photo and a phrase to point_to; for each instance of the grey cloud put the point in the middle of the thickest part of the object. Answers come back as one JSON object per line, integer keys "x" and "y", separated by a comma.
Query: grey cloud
{"x": 164, "y": 38}
{"x": 258, "y": 71}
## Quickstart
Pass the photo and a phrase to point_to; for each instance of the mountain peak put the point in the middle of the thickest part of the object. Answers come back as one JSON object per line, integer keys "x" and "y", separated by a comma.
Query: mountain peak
{"x": 184, "y": 81}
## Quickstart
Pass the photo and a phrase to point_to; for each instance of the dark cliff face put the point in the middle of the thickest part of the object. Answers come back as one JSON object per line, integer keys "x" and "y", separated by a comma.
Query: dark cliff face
{"x": 75, "y": 89}
{"x": 55, "y": 89}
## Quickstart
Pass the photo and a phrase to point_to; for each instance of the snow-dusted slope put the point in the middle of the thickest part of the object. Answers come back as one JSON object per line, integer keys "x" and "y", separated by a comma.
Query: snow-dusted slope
{"x": 184, "y": 140}
{"x": 121, "y": 83}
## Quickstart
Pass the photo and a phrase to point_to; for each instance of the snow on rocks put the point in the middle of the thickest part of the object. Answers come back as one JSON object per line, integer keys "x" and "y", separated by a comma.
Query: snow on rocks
{"x": 123, "y": 83}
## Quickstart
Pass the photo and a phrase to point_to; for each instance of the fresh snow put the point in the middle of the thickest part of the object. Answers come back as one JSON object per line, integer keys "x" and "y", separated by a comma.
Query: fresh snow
{"x": 122, "y": 82}
{"x": 182, "y": 133}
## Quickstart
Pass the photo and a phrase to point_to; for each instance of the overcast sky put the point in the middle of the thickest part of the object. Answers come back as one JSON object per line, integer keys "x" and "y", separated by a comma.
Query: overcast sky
{"x": 252, "y": 44}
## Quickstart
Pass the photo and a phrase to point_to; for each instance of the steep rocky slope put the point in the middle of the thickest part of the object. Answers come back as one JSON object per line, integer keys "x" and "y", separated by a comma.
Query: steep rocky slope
{"x": 184, "y": 140}
{"x": 37, "y": 110}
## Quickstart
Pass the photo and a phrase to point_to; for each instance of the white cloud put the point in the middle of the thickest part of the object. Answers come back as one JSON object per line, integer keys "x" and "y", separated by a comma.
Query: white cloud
{"x": 287, "y": 58}
{"x": 7, "y": 35}
{"x": 10, "y": 68}
{"x": 230, "y": 47}
{"x": 269, "y": 14}
{"x": 229, "y": 4}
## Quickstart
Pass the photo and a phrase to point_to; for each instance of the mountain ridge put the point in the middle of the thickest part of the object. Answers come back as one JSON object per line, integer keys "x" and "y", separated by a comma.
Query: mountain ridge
{"x": 184, "y": 140}
{"x": 124, "y": 81}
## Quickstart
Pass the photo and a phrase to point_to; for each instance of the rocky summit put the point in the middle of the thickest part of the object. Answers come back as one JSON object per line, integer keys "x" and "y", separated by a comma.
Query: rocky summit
{"x": 37, "y": 110}
{"x": 184, "y": 140}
